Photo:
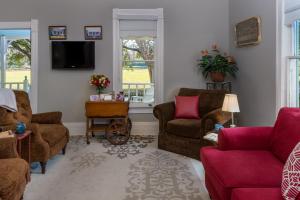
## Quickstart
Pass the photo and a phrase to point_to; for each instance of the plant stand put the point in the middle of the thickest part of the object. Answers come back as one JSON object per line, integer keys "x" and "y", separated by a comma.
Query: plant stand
{"x": 219, "y": 86}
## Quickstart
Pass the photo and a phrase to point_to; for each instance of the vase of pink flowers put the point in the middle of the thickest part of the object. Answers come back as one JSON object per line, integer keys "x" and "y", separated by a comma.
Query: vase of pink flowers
{"x": 100, "y": 81}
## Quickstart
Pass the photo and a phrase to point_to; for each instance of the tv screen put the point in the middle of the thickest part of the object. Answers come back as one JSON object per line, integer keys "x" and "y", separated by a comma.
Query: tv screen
{"x": 73, "y": 55}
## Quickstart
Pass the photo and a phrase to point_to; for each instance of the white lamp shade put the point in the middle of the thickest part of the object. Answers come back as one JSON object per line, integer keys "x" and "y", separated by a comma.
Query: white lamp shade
{"x": 231, "y": 103}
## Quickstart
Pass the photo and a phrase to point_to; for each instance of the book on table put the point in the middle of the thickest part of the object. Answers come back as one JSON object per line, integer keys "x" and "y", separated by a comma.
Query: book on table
{"x": 7, "y": 134}
{"x": 211, "y": 137}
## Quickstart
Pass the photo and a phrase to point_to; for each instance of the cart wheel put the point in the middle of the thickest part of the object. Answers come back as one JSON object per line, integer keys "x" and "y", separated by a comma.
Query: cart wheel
{"x": 118, "y": 131}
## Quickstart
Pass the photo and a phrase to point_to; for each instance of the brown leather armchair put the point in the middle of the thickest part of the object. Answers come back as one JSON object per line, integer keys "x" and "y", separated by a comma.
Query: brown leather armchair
{"x": 185, "y": 136}
{"x": 49, "y": 135}
{"x": 14, "y": 172}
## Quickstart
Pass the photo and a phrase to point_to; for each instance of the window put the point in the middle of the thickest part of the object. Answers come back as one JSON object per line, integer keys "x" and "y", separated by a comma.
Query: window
{"x": 138, "y": 57}
{"x": 19, "y": 58}
{"x": 293, "y": 78}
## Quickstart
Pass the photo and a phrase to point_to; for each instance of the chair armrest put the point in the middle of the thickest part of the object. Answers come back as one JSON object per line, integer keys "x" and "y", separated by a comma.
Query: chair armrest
{"x": 8, "y": 148}
{"x": 47, "y": 118}
{"x": 213, "y": 117}
{"x": 164, "y": 113}
{"x": 245, "y": 138}
{"x": 42, "y": 149}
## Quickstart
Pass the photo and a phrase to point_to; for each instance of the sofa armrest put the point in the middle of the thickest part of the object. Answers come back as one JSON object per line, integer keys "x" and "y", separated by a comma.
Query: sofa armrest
{"x": 245, "y": 138}
{"x": 164, "y": 113}
{"x": 8, "y": 148}
{"x": 47, "y": 118}
{"x": 213, "y": 117}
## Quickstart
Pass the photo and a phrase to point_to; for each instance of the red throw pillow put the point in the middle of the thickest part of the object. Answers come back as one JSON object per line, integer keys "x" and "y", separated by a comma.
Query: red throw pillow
{"x": 290, "y": 186}
{"x": 187, "y": 107}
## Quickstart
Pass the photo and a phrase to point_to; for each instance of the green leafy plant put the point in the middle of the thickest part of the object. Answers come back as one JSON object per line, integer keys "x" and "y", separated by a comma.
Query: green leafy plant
{"x": 19, "y": 54}
{"x": 214, "y": 61}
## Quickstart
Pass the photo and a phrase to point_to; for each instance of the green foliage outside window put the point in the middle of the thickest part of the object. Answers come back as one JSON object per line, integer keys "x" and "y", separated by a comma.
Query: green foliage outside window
{"x": 19, "y": 54}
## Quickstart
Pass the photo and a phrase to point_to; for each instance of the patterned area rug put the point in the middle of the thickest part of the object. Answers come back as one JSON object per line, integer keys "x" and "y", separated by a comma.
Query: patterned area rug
{"x": 134, "y": 171}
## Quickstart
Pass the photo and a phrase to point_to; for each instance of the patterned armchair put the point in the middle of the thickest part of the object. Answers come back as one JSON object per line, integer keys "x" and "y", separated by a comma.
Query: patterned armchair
{"x": 185, "y": 136}
{"x": 49, "y": 135}
{"x": 14, "y": 172}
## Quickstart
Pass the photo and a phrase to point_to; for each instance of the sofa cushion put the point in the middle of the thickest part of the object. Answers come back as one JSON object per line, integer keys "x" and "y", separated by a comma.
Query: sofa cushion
{"x": 52, "y": 133}
{"x": 286, "y": 133}
{"x": 291, "y": 175}
{"x": 187, "y": 107}
{"x": 235, "y": 168}
{"x": 189, "y": 128}
{"x": 14, "y": 173}
{"x": 256, "y": 194}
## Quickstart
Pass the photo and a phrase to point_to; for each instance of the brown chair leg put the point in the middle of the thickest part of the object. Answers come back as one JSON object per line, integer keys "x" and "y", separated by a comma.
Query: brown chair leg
{"x": 64, "y": 150}
{"x": 43, "y": 166}
{"x": 21, "y": 197}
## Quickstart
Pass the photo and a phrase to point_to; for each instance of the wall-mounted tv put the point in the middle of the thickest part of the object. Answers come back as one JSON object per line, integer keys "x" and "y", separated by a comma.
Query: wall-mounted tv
{"x": 73, "y": 55}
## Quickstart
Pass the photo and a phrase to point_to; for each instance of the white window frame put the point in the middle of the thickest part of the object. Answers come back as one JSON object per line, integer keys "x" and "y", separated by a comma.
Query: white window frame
{"x": 140, "y": 14}
{"x": 33, "y": 26}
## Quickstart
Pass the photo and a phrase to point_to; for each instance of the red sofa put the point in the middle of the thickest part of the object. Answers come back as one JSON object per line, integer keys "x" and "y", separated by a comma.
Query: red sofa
{"x": 248, "y": 162}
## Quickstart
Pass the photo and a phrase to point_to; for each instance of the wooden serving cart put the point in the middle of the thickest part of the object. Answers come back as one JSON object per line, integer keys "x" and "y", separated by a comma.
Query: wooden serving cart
{"x": 117, "y": 130}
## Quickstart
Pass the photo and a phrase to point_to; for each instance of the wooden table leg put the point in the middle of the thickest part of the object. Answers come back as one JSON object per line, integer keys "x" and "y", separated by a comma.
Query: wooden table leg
{"x": 20, "y": 148}
{"x": 29, "y": 149}
{"x": 93, "y": 135}
{"x": 87, "y": 131}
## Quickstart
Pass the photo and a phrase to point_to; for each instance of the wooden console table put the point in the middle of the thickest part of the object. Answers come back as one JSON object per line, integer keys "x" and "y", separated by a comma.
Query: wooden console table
{"x": 117, "y": 131}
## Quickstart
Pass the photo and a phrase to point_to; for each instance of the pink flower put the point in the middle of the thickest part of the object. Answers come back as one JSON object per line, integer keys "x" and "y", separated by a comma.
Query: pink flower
{"x": 214, "y": 47}
{"x": 204, "y": 53}
{"x": 230, "y": 59}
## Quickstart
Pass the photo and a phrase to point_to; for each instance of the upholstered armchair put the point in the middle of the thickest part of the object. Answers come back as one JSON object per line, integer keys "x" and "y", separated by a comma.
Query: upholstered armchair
{"x": 49, "y": 135}
{"x": 14, "y": 172}
{"x": 185, "y": 136}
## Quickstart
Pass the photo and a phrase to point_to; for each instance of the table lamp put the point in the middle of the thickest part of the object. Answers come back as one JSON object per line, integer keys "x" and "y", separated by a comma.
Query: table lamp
{"x": 231, "y": 104}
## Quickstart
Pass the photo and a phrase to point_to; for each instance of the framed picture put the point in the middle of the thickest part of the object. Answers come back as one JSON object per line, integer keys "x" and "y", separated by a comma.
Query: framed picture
{"x": 93, "y": 32}
{"x": 248, "y": 32}
{"x": 57, "y": 32}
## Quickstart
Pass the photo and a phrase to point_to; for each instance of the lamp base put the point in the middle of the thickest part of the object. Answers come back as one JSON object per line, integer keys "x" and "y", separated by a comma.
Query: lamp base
{"x": 232, "y": 125}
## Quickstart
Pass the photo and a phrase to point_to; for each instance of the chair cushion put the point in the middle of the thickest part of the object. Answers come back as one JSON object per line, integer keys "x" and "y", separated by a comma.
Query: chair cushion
{"x": 256, "y": 194}
{"x": 286, "y": 133}
{"x": 231, "y": 169}
{"x": 187, "y": 107}
{"x": 291, "y": 175}
{"x": 189, "y": 128}
{"x": 52, "y": 133}
{"x": 13, "y": 177}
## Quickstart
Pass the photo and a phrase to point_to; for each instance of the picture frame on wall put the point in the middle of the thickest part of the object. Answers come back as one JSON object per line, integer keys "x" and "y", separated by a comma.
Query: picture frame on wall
{"x": 248, "y": 32}
{"x": 93, "y": 32}
{"x": 57, "y": 32}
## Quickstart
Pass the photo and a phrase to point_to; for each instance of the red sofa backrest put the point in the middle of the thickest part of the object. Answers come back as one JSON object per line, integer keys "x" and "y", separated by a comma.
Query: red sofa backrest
{"x": 286, "y": 133}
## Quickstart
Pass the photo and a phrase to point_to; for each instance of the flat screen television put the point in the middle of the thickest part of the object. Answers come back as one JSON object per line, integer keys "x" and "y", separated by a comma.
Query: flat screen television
{"x": 73, "y": 55}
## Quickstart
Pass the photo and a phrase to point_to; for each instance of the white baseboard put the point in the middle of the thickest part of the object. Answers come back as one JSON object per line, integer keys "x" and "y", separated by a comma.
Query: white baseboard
{"x": 138, "y": 128}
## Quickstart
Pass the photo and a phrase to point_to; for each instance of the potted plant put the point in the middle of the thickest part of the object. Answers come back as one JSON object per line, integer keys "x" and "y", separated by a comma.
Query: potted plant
{"x": 216, "y": 65}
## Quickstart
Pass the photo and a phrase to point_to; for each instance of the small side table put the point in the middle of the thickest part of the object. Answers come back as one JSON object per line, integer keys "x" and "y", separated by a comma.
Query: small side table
{"x": 218, "y": 86}
{"x": 24, "y": 141}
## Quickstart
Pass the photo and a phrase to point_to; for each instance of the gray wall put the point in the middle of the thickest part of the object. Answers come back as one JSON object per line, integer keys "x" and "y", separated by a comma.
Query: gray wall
{"x": 190, "y": 26}
{"x": 256, "y": 82}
